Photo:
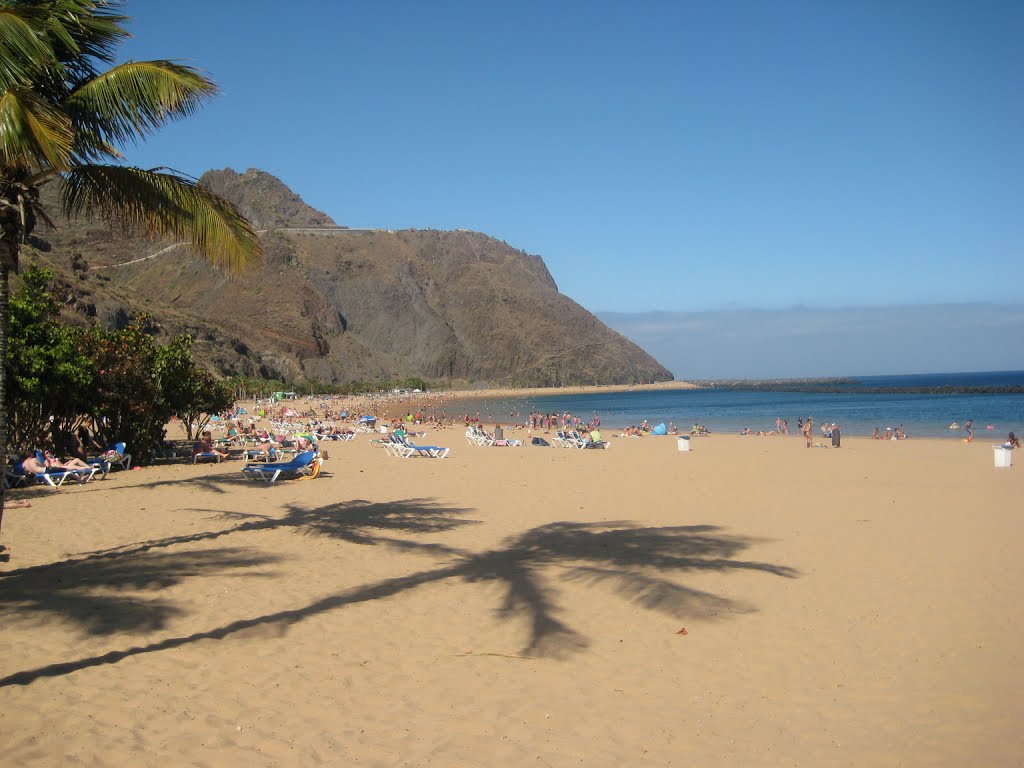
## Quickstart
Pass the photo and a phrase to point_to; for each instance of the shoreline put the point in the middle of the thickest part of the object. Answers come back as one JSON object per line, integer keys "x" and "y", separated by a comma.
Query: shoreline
{"x": 438, "y": 400}
{"x": 587, "y": 389}
{"x": 509, "y": 407}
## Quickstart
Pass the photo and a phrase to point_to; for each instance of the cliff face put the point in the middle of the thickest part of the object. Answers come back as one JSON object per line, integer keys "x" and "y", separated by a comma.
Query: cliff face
{"x": 343, "y": 305}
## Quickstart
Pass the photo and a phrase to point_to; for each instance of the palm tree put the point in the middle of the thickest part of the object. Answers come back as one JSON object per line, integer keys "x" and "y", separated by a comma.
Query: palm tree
{"x": 66, "y": 109}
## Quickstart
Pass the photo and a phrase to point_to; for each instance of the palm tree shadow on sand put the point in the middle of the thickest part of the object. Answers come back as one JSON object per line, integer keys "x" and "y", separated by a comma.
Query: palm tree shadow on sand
{"x": 102, "y": 596}
{"x": 636, "y": 562}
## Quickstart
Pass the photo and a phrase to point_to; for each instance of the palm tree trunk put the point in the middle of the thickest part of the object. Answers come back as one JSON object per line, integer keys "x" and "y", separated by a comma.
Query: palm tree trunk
{"x": 12, "y": 229}
{"x": 5, "y": 291}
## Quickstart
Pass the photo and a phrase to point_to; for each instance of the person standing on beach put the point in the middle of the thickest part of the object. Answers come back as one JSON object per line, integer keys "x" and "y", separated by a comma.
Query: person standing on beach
{"x": 835, "y": 435}
{"x": 968, "y": 428}
{"x": 809, "y": 431}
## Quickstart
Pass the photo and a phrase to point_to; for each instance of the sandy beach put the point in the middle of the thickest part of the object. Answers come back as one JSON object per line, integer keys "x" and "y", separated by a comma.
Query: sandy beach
{"x": 436, "y": 402}
{"x": 525, "y": 606}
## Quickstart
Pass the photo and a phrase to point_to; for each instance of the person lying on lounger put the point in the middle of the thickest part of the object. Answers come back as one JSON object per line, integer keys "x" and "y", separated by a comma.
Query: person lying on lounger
{"x": 31, "y": 464}
{"x": 54, "y": 463}
{"x": 206, "y": 446}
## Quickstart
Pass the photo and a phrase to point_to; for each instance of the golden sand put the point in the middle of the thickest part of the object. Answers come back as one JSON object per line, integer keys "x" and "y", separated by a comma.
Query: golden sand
{"x": 524, "y": 606}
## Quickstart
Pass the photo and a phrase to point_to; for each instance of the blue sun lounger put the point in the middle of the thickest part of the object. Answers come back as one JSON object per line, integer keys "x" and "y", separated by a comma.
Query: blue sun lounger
{"x": 412, "y": 449}
{"x": 116, "y": 455}
{"x": 53, "y": 477}
{"x": 306, "y": 463}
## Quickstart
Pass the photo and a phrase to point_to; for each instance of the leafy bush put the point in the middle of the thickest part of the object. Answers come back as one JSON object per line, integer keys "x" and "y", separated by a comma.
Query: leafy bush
{"x": 120, "y": 385}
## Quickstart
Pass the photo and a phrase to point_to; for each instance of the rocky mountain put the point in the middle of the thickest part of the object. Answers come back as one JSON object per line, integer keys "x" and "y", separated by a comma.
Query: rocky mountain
{"x": 337, "y": 304}
{"x": 264, "y": 199}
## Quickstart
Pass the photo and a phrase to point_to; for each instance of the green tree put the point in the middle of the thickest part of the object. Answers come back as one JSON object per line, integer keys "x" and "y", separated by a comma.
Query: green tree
{"x": 125, "y": 403}
{"x": 48, "y": 372}
{"x": 66, "y": 109}
{"x": 188, "y": 390}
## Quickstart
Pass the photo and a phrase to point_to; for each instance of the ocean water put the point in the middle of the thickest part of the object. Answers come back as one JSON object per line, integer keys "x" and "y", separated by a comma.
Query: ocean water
{"x": 922, "y": 415}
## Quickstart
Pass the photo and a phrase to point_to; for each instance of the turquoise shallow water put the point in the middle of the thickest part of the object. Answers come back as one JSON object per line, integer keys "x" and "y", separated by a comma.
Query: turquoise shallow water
{"x": 922, "y": 415}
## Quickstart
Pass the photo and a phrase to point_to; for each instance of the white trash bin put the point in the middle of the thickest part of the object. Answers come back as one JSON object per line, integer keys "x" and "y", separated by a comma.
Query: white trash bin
{"x": 1003, "y": 456}
{"x": 683, "y": 442}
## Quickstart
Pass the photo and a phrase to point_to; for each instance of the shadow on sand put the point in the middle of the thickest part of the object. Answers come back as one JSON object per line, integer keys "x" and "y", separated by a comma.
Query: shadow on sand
{"x": 94, "y": 593}
{"x": 635, "y": 562}
{"x": 214, "y": 482}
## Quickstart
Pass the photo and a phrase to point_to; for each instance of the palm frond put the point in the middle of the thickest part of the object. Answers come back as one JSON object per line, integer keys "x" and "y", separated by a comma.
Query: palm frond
{"x": 22, "y": 51}
{"x": 167, "y": 205}
{"x": 33, "y": 132}
{"x": 133, "y": 99}
{"x": 83, "y": 32}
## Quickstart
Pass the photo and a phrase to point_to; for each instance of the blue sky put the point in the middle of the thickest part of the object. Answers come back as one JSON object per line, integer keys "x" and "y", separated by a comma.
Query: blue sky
{"x": 660, "y": 156}
{"x": 847, "y": 341}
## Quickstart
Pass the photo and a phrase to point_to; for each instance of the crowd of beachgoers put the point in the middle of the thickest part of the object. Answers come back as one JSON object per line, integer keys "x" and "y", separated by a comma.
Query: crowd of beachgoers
{"x": 260, "y": 423}
{"x": 330, "y": 416}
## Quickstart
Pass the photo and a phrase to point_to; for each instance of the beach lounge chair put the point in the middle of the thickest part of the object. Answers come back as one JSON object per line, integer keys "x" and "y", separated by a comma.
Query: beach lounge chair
{"x": 15, "y": 476}
{"x": 305, "y": 464}
{"x": 478, "y": 436}
{"x": 396, "y": 445}
{"x": 567, "y": 439}
{"x": 123, "y": 459}
{"x": 405, "y": 449}
{"x": 116, "y": 455}
{"x": 56, "y": 477}
{"x": 498, "y": 439}
{"x": 52, "y": 477}
{"x": 431, "y": 451}
{"x": 573, "y": 439}
{"x": 257, "y": 454}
